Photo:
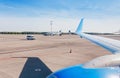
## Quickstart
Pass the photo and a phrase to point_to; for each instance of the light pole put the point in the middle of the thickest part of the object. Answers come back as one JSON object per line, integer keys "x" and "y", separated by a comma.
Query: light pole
{"x": 51, "y": 23}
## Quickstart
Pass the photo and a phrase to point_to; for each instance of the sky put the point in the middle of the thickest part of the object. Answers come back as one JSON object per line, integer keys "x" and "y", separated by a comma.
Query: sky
{"x": 35, "y": 15}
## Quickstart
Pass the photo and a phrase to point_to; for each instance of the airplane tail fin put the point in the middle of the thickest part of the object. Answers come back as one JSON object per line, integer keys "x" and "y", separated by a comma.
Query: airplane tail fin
{"x": 79, "y": 29}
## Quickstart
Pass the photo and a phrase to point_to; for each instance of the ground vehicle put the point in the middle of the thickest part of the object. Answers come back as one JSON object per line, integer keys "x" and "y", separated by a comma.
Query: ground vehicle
{"x": 30, "y": 37}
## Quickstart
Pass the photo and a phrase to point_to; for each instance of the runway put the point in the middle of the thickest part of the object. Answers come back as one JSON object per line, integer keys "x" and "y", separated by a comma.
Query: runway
{"x": 20, "y": 57}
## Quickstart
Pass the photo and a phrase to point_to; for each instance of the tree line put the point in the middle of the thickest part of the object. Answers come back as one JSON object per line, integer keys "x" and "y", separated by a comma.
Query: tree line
{"x": 20, "y": 32}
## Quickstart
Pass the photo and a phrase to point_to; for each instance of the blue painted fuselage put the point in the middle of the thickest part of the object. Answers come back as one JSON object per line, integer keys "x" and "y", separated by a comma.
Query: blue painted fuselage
{"x": 78, "y": 71}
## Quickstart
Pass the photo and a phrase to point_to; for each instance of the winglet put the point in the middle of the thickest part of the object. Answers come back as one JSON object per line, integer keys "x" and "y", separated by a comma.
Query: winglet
{"x": 79, "y": 29}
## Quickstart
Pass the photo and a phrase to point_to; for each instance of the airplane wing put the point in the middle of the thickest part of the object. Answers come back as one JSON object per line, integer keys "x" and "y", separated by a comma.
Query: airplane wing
{"x": 110, "y": 44}
{"x": 107, "y": 66}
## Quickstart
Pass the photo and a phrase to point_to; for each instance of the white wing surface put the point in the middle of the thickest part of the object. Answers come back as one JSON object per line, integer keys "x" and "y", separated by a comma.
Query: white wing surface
{"x": 110, "y": 44}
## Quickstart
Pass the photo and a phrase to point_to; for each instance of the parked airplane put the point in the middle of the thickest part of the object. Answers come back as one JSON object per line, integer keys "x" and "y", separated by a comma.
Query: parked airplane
{"x": 53, "y": 33}
{"x": 107, "y": 66}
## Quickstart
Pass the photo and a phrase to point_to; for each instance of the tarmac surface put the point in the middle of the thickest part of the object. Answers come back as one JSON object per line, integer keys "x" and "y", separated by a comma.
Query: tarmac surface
{"x": 21, "y": 58}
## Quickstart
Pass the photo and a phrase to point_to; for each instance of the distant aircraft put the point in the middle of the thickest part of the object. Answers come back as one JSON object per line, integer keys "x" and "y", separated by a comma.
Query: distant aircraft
{"x": 107, "y": 66}
{"x": 117, "y": 33}
{"x": 53, "y": 33}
